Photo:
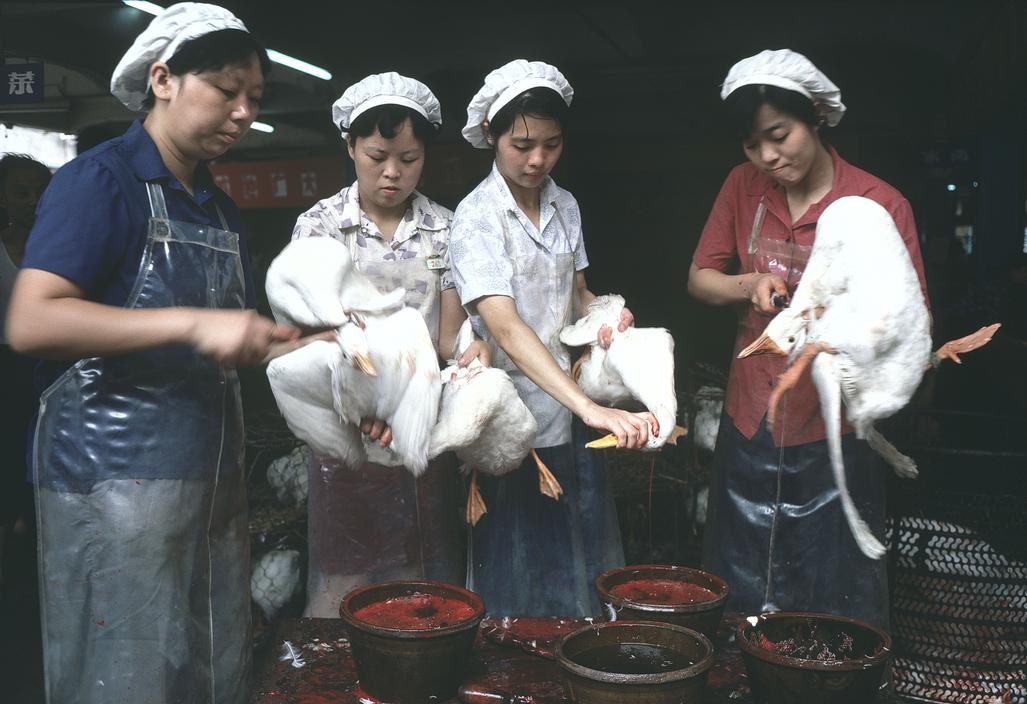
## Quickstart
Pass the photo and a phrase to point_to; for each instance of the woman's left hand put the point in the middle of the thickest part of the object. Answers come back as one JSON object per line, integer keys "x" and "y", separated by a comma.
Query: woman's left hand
{"x": 478, "y": 349}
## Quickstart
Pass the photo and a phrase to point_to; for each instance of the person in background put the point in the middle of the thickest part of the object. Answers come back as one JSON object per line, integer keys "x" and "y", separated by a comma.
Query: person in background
{"x": 378, "y": 522}
{"x": 775, "y": 529}
{"x": 22, "y": 182}
{"x": 518, "y": 262}
{"x": 136, "y": 280}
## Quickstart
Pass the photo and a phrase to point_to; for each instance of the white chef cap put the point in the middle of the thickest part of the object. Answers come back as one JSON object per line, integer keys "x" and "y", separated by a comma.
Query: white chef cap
{"x": 159, "y": 42}
{"x": 503, "y": 85}
{"x": 385, "y": 89}
{"x": 790, "y": 70}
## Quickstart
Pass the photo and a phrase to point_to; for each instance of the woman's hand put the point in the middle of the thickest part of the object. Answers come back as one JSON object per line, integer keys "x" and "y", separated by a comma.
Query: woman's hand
{"x": 478, "y": 349}
{"x": 376, "y": 429}
{"x": 236, "y": 337}
{"x": 631, "y": 429}
{"x": 763, "y": 288}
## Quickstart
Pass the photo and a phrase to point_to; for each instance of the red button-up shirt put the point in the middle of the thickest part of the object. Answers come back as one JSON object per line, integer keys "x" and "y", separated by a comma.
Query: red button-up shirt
{"x": 726, "y": 234}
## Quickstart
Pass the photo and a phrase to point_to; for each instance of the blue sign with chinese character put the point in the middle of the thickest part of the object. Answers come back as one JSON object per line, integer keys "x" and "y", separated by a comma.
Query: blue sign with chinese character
{"x": 21, "y": 83}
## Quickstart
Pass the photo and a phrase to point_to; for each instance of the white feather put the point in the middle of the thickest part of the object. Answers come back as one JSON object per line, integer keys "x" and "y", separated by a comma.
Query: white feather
{"x": 287, "y": 475}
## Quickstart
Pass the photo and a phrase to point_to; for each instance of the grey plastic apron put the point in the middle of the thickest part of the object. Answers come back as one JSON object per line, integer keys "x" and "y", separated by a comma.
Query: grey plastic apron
{"x": 377, "y": 522}
{"x": 141, "y": 501}
{"x": 775, "y": 530}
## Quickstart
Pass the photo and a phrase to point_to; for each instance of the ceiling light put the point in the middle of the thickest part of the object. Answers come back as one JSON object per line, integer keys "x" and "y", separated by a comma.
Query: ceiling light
{"x": 151, "y": 7}
{"x": 262, "y": 126}
{"x": 276, "y": 56}
{"x": 298, "y": 64}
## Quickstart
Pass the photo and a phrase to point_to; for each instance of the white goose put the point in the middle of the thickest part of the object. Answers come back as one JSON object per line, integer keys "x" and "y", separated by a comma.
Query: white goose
{"x": 859, "y": 301}
{"x": 483, "y": 420}
{"x": 634, "y": 365}
{"x": 383, "y": 364}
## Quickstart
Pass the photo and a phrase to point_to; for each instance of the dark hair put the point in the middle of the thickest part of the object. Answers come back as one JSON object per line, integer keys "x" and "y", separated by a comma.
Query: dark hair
{"x": 544, "y": 103}
{"x": 389, "y": 119}
{"x": 745, "y": 102}
{"x": 212, "y": 52}
{"x": 10, "y": 162}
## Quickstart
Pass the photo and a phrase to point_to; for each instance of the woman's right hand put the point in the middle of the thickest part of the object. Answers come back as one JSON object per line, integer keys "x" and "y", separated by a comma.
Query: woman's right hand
{"x": 631, "y": 429}
{"x": 761, "y": 291}
{"x": 237, "y": 337}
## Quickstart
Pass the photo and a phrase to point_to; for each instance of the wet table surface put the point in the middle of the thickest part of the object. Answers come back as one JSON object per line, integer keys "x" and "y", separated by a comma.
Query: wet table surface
{"x": 511, "y": 664}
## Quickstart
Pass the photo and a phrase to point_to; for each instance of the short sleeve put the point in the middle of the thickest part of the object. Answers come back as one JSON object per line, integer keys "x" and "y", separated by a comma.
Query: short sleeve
{"x": 580, "y": 257}
{"x": 83, "y": 230}
{"x": 717, "y": 247}
{"x": 313, "y": 223}
{"x": 477, "y": 254}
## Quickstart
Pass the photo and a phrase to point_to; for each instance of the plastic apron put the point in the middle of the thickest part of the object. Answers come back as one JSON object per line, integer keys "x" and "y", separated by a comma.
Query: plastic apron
{"x": 531, "y": 555}
{"x": 775, "y": 529}
{"x": 378, "y": 522}
{"x": 141, "y": 501}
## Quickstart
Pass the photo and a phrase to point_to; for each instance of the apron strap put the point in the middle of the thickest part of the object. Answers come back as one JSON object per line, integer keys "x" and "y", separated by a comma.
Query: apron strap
{"x": 158, "y": 208}
{"x": 757, "y": 225}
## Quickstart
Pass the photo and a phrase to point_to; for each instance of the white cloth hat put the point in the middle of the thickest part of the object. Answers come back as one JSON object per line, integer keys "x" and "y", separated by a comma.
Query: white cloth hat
{"x": 503, "y": 85}
{"x": 790, "y": 70}
{"x": 159, "y": 42}
{"x": 385, "y": 89}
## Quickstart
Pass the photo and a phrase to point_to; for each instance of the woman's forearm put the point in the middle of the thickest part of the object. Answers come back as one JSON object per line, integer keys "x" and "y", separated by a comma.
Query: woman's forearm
{"x": 716, "y": 288}
{"x": 525, "y": 349}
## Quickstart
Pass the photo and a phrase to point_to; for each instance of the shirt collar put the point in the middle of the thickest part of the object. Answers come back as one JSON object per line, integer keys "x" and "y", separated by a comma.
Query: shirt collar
{"x": 763, "y": 185}
{"x": 548, "y": 191}
{"x": 146, "y": 163}
{"x": 421, "y": 211}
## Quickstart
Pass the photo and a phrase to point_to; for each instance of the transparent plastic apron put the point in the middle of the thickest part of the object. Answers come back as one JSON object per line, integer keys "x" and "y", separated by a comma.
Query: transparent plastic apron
{"x": 141, "y": 500}
{"x": 775, "y": 529}
{"x": 543, "y": 291}
{"x": 377, "y": 522}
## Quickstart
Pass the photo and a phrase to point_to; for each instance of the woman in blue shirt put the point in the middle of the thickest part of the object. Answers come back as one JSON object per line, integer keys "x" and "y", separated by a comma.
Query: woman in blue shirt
{"x": 135, "y": 269}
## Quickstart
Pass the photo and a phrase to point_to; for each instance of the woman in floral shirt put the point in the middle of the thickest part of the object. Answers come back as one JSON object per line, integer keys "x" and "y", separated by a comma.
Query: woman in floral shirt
{"x": 377, "y": 522}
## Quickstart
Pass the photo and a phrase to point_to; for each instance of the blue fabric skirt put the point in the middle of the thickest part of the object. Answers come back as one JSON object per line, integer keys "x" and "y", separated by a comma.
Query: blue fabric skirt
{"x": 533, "y": 556}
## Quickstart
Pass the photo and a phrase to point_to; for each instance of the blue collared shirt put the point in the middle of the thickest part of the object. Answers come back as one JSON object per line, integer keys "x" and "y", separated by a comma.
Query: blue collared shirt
{"x": 91, "y": 223}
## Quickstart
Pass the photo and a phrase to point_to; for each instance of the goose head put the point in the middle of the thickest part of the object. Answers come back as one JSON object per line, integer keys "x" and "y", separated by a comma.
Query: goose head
{"x": 784, "y": 334}
{"x": 353, "y": 343}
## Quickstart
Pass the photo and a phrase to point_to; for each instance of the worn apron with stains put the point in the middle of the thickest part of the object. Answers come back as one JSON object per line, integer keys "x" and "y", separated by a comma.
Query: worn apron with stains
{"x": 141, "y": 501}
{"x": 378, "y": 522}
{"x": 531, "y": 555}
{"x": 775, "y": 529}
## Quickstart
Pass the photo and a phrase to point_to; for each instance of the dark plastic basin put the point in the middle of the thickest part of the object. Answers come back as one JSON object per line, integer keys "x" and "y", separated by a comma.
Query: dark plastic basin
{"x": 701, "y": 616}
{"x": 411, "y": 665}
{"x": 778, "y": 679}
{"x": 624, "y": 662}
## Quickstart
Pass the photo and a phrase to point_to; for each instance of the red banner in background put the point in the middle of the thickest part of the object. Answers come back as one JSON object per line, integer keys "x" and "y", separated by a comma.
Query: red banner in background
{"x": 293, "y": 183}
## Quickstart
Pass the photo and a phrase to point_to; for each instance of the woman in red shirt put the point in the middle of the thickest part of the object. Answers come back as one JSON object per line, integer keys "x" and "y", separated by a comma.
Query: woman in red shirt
{"x": 775, "y": 529}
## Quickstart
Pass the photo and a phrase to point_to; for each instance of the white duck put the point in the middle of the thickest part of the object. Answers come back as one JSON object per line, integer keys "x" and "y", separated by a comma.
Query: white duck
{"x": 859, "y": 301}
{"x": 483, "y": 420}
{"x": 634, "y": 365}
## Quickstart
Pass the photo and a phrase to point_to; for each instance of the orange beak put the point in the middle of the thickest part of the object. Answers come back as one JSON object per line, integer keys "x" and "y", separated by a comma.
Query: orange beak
{"x": 364, "y": 364}
{"x": 762, "y": 345}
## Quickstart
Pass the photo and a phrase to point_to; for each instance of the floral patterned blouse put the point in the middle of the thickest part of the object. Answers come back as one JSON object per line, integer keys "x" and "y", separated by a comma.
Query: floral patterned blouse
{"x": 340, "y": 216}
